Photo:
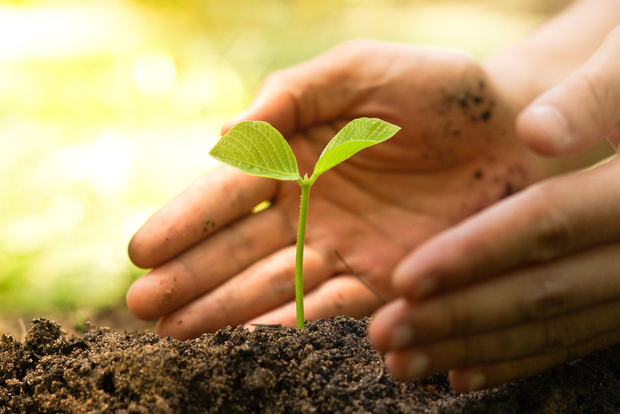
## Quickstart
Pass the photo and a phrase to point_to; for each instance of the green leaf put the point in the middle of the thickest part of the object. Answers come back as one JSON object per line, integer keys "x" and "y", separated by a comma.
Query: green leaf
{"x": 355, "y": 136}
{"x": 257, "y": 148}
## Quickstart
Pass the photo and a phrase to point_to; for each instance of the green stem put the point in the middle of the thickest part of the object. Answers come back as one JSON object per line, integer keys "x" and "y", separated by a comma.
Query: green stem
{"x": 299, "y": 258}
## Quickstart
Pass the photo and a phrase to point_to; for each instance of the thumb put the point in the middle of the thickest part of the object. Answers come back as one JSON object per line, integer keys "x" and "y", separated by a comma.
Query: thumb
{"x": 297, "y": 97}
{"x": 581, "y": 110}
{"x": 276, "y": 102}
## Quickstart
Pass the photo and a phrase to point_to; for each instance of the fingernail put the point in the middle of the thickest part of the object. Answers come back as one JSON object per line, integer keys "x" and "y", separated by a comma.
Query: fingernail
{"x": 552, "y": 123}
{"x": 418, "y": 365}
{"x": 402, "y": 335}
{"x": 477, "y": 381}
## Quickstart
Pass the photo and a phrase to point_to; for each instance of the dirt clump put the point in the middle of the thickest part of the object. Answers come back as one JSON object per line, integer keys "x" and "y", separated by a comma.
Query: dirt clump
{"x": 328, "y": 367}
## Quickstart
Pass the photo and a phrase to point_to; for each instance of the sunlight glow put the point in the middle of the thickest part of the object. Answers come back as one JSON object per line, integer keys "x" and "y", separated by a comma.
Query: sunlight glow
{"x": 105, "y": 163}
{"x": 108, "y": 108}
{"x": 63, "y": 31}
{"x": 154, "y": 73}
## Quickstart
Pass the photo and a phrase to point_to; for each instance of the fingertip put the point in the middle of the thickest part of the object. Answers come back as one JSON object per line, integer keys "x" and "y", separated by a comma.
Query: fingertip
{"x": 381, "y": 327}
{"x": 545, "y": 129}
{"x": 467, "y": 380}
{"x": 377, "y": 335}
{"x": 396, "y": 366}
{"x": 403, "y": 278}
{"x": 226, "y": 127}
{"x": 156, "y": 293}
{"x": 579, "y": 111}
{"x": 249, "y": 326}
{"x": 161, "y": 329}
{"x": 243, "y": 116}
{"x": 170, "y": 326}
{"x": 183, "y": 324}
{"x": 412, "y": 281}
{"x": 135, "y": 300}
{"x": 402, "y": 283}
{"x": 285, "y": 316}
{"x": 138, "y": 253}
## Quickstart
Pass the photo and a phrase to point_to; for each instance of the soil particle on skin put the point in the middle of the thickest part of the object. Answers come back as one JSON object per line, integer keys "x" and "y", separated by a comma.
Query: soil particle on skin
{"x": 208, "y": 225}
{"x": 471, "y": 101}
{"x": 508, "y": 190}
{"x": 328, "y": 367}
{"x": 485, "y": 115}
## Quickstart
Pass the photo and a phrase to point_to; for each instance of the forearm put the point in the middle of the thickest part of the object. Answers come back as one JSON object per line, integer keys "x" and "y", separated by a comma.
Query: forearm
{"x": 552, "y": 53}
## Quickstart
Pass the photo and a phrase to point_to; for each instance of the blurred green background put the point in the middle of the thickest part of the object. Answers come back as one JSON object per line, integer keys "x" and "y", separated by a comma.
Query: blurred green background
{"x": 108, "y": 109}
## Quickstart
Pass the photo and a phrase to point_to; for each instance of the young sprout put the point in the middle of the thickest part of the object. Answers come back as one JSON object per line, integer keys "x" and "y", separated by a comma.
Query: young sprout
{"x": 257, "y": 148}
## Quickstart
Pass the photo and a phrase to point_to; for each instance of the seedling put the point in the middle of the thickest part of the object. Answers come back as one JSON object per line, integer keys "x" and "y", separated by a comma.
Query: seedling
{"x": 257, "y": 148}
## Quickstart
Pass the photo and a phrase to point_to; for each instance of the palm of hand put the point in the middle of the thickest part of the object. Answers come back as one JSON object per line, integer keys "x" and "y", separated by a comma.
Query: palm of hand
{"x": 455, "y": 155}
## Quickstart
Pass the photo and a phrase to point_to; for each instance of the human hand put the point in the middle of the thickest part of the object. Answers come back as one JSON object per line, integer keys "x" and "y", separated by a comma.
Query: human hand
{"x": 215, "y": 263}
{"x": 533, "y": 281}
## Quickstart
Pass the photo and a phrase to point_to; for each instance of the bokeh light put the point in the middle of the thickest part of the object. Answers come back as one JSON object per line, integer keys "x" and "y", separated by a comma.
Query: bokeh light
{"x": 154, "y": 73}
{"x": 109, "y": 108}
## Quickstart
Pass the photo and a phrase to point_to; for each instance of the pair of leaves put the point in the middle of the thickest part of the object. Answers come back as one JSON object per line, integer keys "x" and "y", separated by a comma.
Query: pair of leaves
{"x": 257, "y": 148}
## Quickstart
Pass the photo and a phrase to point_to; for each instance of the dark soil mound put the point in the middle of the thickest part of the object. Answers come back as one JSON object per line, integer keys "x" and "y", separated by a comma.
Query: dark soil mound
{"x": 329, "y": 367}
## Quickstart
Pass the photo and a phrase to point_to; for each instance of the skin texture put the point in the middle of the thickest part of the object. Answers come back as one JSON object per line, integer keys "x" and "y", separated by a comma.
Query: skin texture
{"x": 217, "y": 264}
{"x": 532, "y": 281}
{"x": 489, "y": 293}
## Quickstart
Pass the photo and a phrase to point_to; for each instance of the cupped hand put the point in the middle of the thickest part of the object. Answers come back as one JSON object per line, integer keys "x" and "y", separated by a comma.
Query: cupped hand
{"x": 216, "y": 263}
{"x": 532, "y": 281}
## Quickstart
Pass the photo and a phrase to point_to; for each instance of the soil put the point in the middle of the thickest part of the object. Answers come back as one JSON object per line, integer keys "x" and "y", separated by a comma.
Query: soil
{"x": 328, "y": 367}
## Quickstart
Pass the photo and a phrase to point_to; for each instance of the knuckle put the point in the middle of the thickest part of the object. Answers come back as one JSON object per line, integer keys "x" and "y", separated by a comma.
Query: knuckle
{"x": 458, "y": 321}
{"x": 283, "y": 280}
{"x": 502, "y": 344}
{"x": 279, "y": 81}
{"x": 559, "y": 333}
{"x": 333, "y": 301}
{"x": 545, "y": 299}
{"x": 552, "y": 232}
{"x": 470, "y": 351}
{"x": 593, "y": 84}
{"x": 238, "y": 244}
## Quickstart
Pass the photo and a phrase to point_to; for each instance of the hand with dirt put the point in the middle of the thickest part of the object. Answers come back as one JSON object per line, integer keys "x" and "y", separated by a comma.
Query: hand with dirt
{"x": 216, "y": 263}
{"x": 532, "y": 281}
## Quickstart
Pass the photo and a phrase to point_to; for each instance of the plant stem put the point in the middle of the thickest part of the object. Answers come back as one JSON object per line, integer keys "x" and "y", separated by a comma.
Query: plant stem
{"x": 299, "y": 257}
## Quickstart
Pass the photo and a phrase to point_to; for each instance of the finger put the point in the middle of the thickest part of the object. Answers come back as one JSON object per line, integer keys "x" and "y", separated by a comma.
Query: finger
{"x": 321, "y": 89}
{"x": 581, "y": 110}
{"x": 573, "y": 282}
{"x": 538, "y": 224}
{"x": 210, "y": 203}
{"x": 530, "y": 339}
{"x": 341, "y": 295}
{"x": 210, "y": 263}
{"x": 490, "y": 375}
{"x": 263, "y": 286}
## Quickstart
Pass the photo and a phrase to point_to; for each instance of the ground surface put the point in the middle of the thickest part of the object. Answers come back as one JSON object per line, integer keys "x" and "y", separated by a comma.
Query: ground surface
{"x": 329, "y": 367}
